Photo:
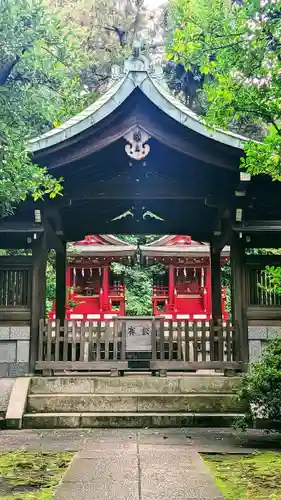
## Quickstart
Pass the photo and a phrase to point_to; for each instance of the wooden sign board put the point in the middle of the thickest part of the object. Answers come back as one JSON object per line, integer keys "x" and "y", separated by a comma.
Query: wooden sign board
{"x": 138, "y": 335}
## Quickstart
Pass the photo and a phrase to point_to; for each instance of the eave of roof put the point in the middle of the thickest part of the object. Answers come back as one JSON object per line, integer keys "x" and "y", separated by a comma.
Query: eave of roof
{"x": 180, "y": 251}
{"x": 102, "y": 250}
{"x": 165, "y": 239}
{"x": 110, "y": 238}
{"x": 116, "y": 95}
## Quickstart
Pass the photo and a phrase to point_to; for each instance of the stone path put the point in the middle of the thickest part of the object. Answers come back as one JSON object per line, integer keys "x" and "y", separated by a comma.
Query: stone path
{"x": 6, "y": 386}
{"x": 138, "y": 464}
{"x": 133, "y": 471}
{"x": 202, "y": 440}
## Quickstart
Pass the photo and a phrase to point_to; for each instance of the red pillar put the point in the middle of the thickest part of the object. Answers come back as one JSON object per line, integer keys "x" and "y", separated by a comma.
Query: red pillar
{"x": 68, "y": 284}
{"x": 171, "y": 286}
{"x": 105, "y": 288}
{"x": 216, "y": 285}
{"x": 208, "y": 295}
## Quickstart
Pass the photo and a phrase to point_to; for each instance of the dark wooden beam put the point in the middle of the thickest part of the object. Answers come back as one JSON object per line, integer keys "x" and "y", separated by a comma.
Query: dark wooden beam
{"x": 146, "y": 194}
{"x": 239, "y": 297}
{"x": 216, "y": 284}
{"x": 220, "y": 241}
{"x": 53, "y": 240}
{"x": 221, "y": 200}
{"x": 263, "y": 260}
{"x": 53, "y": 216}
{"x": 144, "y": 190}
{"x": 39, "y": 257}
{"x": 20, "y": 227}
{"x": 258, "y": 226}
{"x": 61, "y": 282}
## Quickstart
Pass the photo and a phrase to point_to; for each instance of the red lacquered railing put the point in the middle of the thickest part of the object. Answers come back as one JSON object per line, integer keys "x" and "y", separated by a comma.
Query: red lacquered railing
{"x": 116, "y": 290}
{"x": 185, "y": 289}
{"x": 160, "y": 290}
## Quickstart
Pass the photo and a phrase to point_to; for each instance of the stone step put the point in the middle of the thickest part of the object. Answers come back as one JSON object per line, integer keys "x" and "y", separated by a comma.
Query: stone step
{"x": 134, "y": 384}
{"x": 127, "y": 420}
{"x": 48, "y": 403}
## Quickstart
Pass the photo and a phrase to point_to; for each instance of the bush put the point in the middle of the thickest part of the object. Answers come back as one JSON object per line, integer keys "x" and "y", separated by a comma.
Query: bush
{"x": 260, "y": 389}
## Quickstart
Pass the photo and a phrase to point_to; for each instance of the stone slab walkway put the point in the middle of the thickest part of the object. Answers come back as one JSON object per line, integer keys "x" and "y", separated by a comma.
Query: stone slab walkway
{"x": 133, "y": 471}
{"x": 138, "y": 464}
{"x": 202, "y": 440}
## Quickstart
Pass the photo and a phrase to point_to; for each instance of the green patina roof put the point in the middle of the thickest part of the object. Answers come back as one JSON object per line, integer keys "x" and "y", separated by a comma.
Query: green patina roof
{"x": 137, "y": 74}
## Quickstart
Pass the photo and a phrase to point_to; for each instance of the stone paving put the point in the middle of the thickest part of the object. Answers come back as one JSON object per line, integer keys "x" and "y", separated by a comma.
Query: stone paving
{"x": 6, "y": 386}
{"x": 134, "y": 471}
{"x": 138, "y": 464}
{"x": 202, "y": 440}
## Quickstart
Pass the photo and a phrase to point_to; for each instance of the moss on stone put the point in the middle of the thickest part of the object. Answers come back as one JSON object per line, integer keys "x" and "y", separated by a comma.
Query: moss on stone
{"x": 255, "y": 477}
{"x": 31, "y": 476}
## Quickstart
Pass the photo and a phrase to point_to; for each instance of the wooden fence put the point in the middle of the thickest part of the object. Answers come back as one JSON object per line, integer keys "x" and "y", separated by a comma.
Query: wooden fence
{"x": 78, "y": 345}
{"x": 102, "y": 345}
{"x": 15, "y": 288}
{"x": 186, "y": 345}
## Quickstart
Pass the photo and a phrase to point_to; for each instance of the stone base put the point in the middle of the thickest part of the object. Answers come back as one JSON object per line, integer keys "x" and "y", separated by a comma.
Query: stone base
{"x": 127, "y": 420}
{"x": 13, "y": 369}
{"x": 258, "y": 337}
{"x": 14, "y": 350}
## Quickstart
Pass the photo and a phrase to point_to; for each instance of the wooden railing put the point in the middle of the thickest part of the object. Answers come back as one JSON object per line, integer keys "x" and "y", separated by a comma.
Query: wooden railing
{"x": 106, "y": 345}
{"x": 116, "y": 290}
{"x": 15, "y": 288}
{"x": 261, "y": 291}
{"x": 79, "y": 345}
{"x": 160, "y": 291}
{"x": 186, "y": 345}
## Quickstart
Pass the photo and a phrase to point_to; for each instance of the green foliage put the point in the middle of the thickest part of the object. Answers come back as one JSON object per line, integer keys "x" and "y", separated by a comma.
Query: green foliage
{"x": 138, "y": 288}
{"x": 138, "y": 281}
{"x": 110, "y": 26}
{"x": 237, "y": 48}
{"x": 260, "y": 388}
{"x": 40, "y": 64}
{"x": 50, "y": 282}
{"x": 138, "y": 278}
{"x": 141, "y": 239}
{"x": 274, "y": 275}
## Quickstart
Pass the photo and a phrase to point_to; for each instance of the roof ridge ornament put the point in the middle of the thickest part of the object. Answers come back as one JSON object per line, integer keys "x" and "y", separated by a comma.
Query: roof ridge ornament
{"x": 138, "y": 62}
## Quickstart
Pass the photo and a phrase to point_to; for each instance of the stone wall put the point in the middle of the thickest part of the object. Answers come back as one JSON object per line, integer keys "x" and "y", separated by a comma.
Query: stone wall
{"x": 14, "y": 350}
{"x": 258, "y": 338}
{"x": 6, "y": 386}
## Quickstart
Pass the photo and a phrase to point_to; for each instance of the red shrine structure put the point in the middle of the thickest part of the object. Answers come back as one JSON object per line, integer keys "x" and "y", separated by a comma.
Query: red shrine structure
{"x": 93, "y": 291}
{"x": 182, "y": 292}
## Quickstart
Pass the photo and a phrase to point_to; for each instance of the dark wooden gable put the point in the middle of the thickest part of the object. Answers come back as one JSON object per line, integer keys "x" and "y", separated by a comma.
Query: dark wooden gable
{"x": 183, "y": 180}
{"x": 187, "y": 184}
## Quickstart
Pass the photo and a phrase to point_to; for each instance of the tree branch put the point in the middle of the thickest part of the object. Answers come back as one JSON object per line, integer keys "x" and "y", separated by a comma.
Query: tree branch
{"x": 7, "y": 70}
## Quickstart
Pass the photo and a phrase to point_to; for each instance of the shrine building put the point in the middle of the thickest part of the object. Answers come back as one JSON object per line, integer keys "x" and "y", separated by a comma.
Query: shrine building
{"x": 138, "y": 161}
{"x": 93, "y": 291}
{"x": 183, "y": 291}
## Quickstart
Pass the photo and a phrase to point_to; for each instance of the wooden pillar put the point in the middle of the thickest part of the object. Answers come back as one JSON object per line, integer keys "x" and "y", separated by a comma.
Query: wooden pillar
{"x": 207, "y": 291}
{"x": 105, "y": 287}
{"x": 216, "y": 285}
{"x": 61, "y": 282}
{"x": 239, "y": 302}
{"x": 171, "y": 285}
{"x": 38, "y": 296}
